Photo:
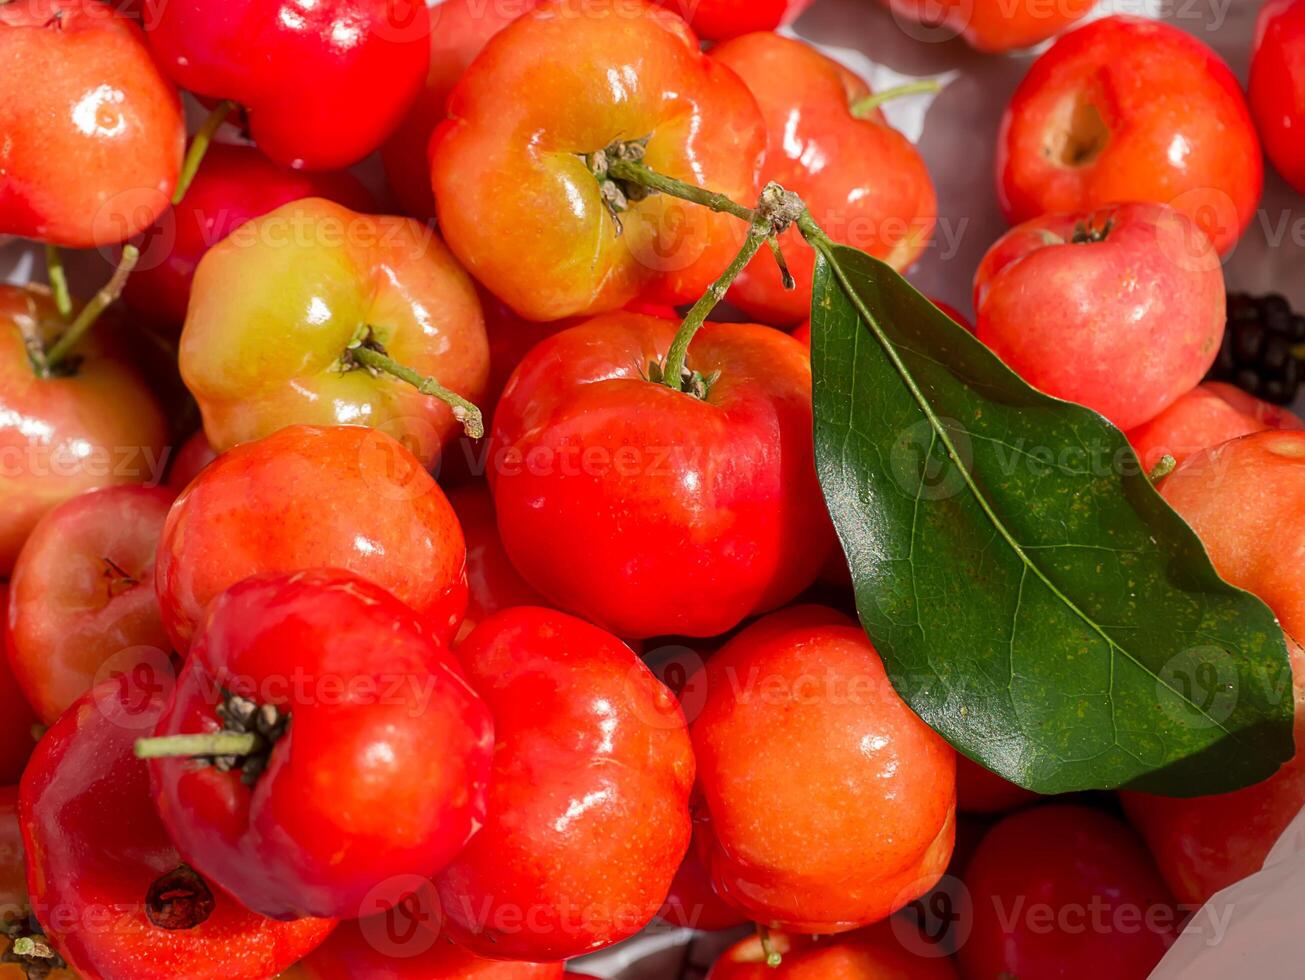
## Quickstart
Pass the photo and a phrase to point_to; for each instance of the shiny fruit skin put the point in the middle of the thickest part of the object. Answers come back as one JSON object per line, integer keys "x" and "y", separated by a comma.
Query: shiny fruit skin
{"x": 718, "y": 20}
{"x": 1246, "y": 500}
{"x": 339, "y": 497}
{"x": 95, "y": 847}
{"x": 17, "y": 739}
{"x": 589, "y": 797}
{"x": 93, "y": 131}
{"x": 351, "y": 954}
{"x": 870, "y": 824}
{"x": 1128, "y": 109}
{"x": 863, "y": 181}
{"x": 62, "y": 436}
{"x": 381, "y": 774}
{"x": 1277, "y": 86}
{"x": 330, "y": 81}
{"x": 1035, "y": 881}
{"x": 693, "y": 513}
{"x": 459, "y": 29}
{"x": 234, "y": 184}
{"x": 1120, "y": 309}
{"x": 315, "y": 277}
{"x": 693, "y": 904}
{"x": 81, "y": 601}
{"x": 519, "y": 205}
{"x": 994, "y": 26}
{"x": 1207, "y": 416}
{"x": 869, "y": 954}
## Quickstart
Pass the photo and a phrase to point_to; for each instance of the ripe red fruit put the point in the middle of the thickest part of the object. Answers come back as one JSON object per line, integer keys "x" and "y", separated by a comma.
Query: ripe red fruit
{"x": 195, "y": 453}
{"x": 91, "y": 424}
{"x": 869, "y": 825}
{"x": 524, "y": 202}
{"x": 588, "y": 800}
{"x": 1129, "y": 109}
{"x": 13, "y": 870}
{"x": 93, "y": 133}
{"x": 979, "y": 790}
{"x": 716, "y": 20}
{"x": 1207, "y": 416}
{"x": 373, "y": 751}
{"x": 693, "y": 904}
{"x": 870, "y": 954}
{"x": 1246, "y": 500}
{"x": 991, "y": 25}
{"x": 323, "y": 84}
{"x": 696, "y": 510}
{"x": 862, "y": 180}
{"x": 81, "y": 602}
{"x": 106, "y": 883}
{"x": 1065, "y": 891}
{"x": 340, "y": 497}
{"x": 1277, "y": 86}
{"x": 234, "y": 184}
{"x": 1120, "y": 309}
{"x": 316, "y": 280}
{"x": 16, "y": 720}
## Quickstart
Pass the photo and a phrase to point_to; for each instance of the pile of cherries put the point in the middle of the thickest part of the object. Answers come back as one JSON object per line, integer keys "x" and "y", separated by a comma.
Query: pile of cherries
{"x": 488, "y": 608}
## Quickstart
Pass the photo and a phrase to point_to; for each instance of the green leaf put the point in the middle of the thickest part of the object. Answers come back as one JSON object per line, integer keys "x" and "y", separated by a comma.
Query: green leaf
{"x": 1033, "y": 597}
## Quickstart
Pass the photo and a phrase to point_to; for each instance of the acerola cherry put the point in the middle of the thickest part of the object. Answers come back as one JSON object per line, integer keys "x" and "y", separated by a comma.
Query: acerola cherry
{"x": 1277, "y": 86}
{"x": 696, "y": 508}
{"x": 88, "y": 423}
{"x": 93, "y": 132}
{"x": 13, "y": 869}
{"x": 1065, "y": 891}
{"x": 492, "y": 583}
{"x": 1131, "y": 109}
{"x": 861, "y": 179}
{"x": 693, "y": 904}
{"x": 993, "y": 25}
{"x": 321, "y": 285}
{"x": 234, "y": 184}
{"x": 1207, "y": 416}
{"x": 1120, "y": 309}
{"x": 341, "y": 497}
{"x": 979, "y": 790}
{"x": 94, "y": 841}
{"x": 366, "y": 758}
{"x": 588, "y": 800}
{"x": 870, "y": 954}
{"x": 716, "y": 20}
{"x": 523, "y": 188}
{"x": 1246, "y": 500}
{"x": 869, "y": 825}
{"x": 17, "y": 738}
{"x": 459, "y": 29}
{"x": 195, "y": 453}
{"x": 82, "y": 599}
{"x": 331, "y": 80}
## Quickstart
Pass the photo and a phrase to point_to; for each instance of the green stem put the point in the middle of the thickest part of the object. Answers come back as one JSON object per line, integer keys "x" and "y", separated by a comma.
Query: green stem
{"x": 199, "y": 146}
{"x": 473, "y": 423}
{"x": 673, "y": 366}
{"x": 637, "y": 173}
{"x": 199, "y": 746}
{"x": 864, "y": 107}
{"x": 92, "y": 310}
{"x": 773, "y": 957}
{"x": 58, "y": 281}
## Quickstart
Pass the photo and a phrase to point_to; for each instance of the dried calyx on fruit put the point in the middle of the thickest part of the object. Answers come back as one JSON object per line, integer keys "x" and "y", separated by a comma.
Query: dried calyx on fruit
{"x": 1262, "y": 347}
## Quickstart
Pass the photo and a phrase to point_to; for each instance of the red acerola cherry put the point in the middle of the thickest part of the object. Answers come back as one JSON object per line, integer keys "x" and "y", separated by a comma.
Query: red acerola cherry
{"x": 589, "y": 796}
{"x": 82, "y": 602}
{"x": 369, "y": 751}
{"x": 693, "y": 904}
{"x": 696, "y": 509}
{"x": 92, "y": 423}
{"x": 331, "y": 80}
{"x": 1120, "y": 309}
{"x": 17, "y": 739}
{"x": 13, "y": 867}
{"x": 1277, "y": 86}
{"x": 522, "y": 185}
{"x": 1130, "y": 109}
{"x": 107, "y": 884}
{"x": 716, "y": 20}
{"x": 869, "y": 825}
{"x": 1064, "y": 891}
{"x": 93, "y": 133}
{"x": 1246, "y": 500}
{"x": 862, "y": 180}
{"x": 979, "y": 790}
{"x": 869, "y": 954}
{"x": 992, "y": 25}
{"x": 1207, "y": 416}
{"x": 339, "y": 497}
{"x": 195, "y": 453}
{"x": 234, "y": 184}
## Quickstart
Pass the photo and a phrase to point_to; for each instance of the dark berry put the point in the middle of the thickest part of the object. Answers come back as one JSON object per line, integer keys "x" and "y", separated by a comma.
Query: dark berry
{"x": 1261, "y": 348}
